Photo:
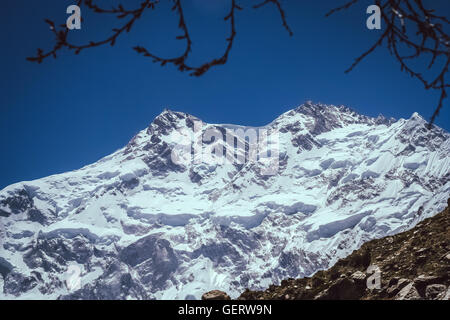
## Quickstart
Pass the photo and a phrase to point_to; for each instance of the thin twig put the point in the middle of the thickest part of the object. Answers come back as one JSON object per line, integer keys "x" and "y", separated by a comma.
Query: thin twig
{"x": 61, "y": 35}
{"x": 400, "y": 16}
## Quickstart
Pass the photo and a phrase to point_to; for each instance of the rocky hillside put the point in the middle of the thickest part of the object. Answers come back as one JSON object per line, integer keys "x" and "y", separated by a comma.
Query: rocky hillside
{"x": 414, "y": 265}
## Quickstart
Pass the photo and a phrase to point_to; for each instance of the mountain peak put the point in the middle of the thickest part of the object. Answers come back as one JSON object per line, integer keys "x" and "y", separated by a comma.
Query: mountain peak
{"x": 339, "y": 179}
{"x": 171, "y": 115}
{"x": 167, "y": 120}
{"x": 321, "y": 107}
{"x": 417, "y": 117}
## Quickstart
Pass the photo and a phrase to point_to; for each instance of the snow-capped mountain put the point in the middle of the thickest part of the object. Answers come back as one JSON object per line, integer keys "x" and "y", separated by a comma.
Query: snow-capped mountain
{"x": 141, "y": 225}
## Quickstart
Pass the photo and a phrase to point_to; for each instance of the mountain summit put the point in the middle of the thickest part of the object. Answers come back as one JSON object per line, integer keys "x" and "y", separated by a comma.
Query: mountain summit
{"x": 186, "y": 207}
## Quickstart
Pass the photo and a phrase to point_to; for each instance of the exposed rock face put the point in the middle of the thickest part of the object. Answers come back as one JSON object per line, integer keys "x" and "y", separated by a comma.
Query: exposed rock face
{"x": 16, "y": 283}
{"x": 435, "y": 291}
{"x": 407, "y": 272}
{"x": 342, "y": 289}
{"x": 117, "y": 282}
{"x": 408, "y": 293}
{"x": 395, "y": 285}
{"x": 215, "y": 295}
{"x": 139, "y": 224}
{"x": 152, "y": 258}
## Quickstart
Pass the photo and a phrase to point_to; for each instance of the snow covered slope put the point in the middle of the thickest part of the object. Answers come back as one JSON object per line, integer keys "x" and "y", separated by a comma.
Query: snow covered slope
{"x": 140, "y": 225}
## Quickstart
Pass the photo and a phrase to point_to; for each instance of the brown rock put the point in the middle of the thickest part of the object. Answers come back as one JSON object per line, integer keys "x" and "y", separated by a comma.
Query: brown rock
{"x": 393, "y": 281}
{"x": 422, "y": 250}
{"x": 358, "y": 276}
{"x": 408, "y": 293}
{"x": 342, "y": 289}
{"x": 447, "y": 295}
{"x": 215, "y": 295}
{"x": 422, "y": 281}
{"x": 435, "y": 291}
{"x": 395, "y": 287}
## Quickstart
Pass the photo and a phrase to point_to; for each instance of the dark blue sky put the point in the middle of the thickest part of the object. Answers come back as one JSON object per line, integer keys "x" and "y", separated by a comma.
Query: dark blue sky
{"x": 69, "y": 112}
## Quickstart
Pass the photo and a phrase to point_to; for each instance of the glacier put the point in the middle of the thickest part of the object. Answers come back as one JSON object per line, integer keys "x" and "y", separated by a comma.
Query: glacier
{"x": 140, "y": 226}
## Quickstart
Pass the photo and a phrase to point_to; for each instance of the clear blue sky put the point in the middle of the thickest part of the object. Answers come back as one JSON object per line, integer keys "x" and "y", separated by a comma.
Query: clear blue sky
{"x": 69, "y": 112}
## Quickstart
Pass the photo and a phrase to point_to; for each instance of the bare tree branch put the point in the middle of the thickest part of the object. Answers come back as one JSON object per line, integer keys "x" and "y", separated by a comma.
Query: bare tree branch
{"x": 280, "y": 9}
{"x": 61, "y": 36}
{"x": 343, "y": 7}
{"x": 180, "y": 61}
{"x": 61, "y": 40}
{"x": 400, "y": 16}
{"x": 409, "y": 26}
